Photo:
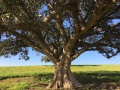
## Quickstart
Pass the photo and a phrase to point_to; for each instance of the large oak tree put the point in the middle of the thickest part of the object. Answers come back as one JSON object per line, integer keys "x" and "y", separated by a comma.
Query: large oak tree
{"x": 60, "y": 29}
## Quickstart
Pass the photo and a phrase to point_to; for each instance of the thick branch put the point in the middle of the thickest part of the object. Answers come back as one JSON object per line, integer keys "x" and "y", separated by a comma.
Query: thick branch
{"x": 61, "y": 28}
{"x": 88, "y": 25}
{"x": 44, "y": 49}
{"x": 28, "y": 41}
{"x": 108, "y": 17}
{"x": 79, "y": 52}
{"x": 24, "y": 38}
{"x": 97, "y": 15}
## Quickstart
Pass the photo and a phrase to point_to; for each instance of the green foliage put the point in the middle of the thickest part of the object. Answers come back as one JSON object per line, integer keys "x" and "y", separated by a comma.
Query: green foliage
{"x": 45, "y": 59}
{"x": 12, "y": 46}
{"x": 49, "y": 26}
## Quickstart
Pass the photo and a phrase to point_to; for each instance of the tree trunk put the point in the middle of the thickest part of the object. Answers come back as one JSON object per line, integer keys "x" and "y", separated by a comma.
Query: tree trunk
{"x": 63, "y": 78}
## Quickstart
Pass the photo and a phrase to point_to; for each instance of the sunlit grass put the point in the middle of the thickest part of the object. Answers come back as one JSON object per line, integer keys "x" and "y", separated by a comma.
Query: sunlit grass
{"x": 24, "y": 71}
{"x": 31, "y": 77}
{"x": 94, "y": 68}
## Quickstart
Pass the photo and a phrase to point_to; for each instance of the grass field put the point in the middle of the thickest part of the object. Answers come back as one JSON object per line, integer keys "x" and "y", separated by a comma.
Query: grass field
{"x": 37, "y": 77}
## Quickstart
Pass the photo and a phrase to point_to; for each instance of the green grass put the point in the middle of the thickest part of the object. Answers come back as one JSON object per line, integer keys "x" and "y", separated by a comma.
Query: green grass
{"x": 37, "y": 77}
{"x": 24, "y": 71}
{"x": 19, "y": 86}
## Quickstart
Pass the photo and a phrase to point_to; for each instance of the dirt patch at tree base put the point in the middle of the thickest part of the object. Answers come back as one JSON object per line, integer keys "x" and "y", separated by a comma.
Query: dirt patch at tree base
{"x": 89, "y": 86}
{"x": 101, "y": 86}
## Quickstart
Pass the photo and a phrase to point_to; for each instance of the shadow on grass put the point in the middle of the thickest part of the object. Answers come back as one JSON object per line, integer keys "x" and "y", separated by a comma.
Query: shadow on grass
{"x": 101, "y": 77}
{"x": 86, "y": 77}
{"x": 82, "y": 77}
{"x": 84, "y": 65}
{"x": 6, "y": 77}
{"x": 91, "y": 80}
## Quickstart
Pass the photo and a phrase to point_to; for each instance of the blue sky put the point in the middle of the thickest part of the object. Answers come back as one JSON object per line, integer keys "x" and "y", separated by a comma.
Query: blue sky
{"x": 87, "y": 58}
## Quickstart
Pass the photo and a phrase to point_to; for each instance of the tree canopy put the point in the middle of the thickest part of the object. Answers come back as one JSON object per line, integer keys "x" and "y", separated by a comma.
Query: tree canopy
{"x": 49, "y": 26}
{"x": 60, "y": 29}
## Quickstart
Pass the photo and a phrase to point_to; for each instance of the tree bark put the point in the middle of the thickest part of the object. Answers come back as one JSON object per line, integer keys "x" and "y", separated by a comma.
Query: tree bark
{"x": 63, "y": 78}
